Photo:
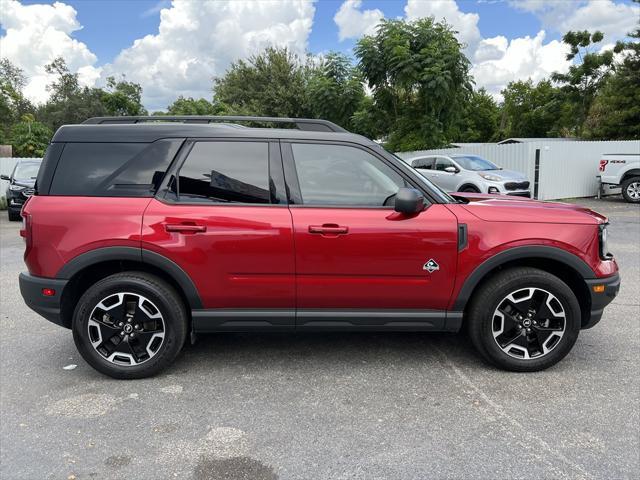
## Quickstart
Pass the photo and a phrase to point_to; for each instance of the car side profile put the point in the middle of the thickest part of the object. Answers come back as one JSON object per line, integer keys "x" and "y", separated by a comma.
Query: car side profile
{"x": 21, "y": 183}
{"x": 471, "y": 173}
{"x": 142, "y": 234}
{"x": 622, "y": 170}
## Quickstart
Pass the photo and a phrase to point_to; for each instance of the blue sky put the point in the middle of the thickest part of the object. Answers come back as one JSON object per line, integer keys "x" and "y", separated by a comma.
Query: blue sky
{"x": 197, "y": 39}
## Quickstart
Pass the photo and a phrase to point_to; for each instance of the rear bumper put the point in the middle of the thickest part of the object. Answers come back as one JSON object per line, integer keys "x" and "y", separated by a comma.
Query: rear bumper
{"x": 48, "y": 307}
{"x": 600, "y": 300}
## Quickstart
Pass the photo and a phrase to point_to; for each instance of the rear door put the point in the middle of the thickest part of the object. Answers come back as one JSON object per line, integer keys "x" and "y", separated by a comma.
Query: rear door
{"x": 224, "y": 220}
{"x": 358, "y": 262}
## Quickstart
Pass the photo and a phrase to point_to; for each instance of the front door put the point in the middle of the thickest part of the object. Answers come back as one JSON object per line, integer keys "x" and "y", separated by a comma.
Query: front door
{"x": 358, "y": 262}
{"x": 225, "y": 222}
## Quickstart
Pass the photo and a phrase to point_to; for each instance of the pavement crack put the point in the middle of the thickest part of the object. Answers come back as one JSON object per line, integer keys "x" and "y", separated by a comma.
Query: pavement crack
{"x": 501, "y": 412}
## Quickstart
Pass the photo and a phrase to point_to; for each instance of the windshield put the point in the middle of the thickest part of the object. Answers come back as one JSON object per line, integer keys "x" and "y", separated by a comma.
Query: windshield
{"x": 475, "y": 163}
{"x": 436, "y": 189}
{"x": 27, "y": 170}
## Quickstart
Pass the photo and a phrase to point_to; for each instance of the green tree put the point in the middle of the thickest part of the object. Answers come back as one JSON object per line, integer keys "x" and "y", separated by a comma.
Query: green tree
{"x": 586, "y": 76}
{"x": 69, "y": 102}
{"x": 191, "y": 106}
{"x": 532, "y": 110}
{"x": 123, "y": 98}
{"x": 420, "y": 80}
{"x": 479, "y": 122}
{"x": 13, "y": 104}
{"x": 335, "y": 90}
{"x": 272, "y": 83}
{"x": 30, "y": 138}
{"x": 615, "y": 113}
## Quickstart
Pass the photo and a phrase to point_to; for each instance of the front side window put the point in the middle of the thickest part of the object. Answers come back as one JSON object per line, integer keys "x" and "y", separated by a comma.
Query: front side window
{"x": 442, "y": 163}
{"x": 225, "y": 172}
{"x": 423, "y": 163}
{"x": 344, "y": 176}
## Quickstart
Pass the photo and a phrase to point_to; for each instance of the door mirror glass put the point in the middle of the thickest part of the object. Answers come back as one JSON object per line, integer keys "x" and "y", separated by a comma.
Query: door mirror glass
{"x": 451, "y": 169}
{"x": 409, "y": 201}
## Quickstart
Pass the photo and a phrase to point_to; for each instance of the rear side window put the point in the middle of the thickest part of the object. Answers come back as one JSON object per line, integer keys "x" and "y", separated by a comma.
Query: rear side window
{"x": 225, "y": 172}
{"x": 113, "y": 169}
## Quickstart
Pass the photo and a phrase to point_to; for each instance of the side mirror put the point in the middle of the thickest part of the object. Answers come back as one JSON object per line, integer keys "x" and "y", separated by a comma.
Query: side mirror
{"x": 409, "y": 201}
{"x": 5, "y": 177}
{"x": 451, "y": 169}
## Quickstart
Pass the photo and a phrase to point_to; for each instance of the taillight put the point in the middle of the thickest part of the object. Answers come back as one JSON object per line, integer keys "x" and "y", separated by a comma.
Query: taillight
{"x": 26, "y": 232}
{"x": 603, "y": 164}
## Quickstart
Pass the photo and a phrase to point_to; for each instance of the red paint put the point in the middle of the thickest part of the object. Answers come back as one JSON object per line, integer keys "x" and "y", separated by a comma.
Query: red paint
{"x": 242, "y": 256}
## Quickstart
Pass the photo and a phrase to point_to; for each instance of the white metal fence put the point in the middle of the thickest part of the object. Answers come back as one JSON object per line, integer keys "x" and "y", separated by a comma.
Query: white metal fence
{"x": 566, "y": 169}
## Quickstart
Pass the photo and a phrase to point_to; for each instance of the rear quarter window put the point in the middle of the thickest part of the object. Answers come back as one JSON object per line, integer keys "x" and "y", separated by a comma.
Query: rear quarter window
{"x": 113, "y": 169}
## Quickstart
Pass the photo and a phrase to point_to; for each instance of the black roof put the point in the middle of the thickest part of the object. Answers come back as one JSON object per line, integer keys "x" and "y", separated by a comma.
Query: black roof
{"x": 150, "y": 129}
{"x": 150, "y": 132}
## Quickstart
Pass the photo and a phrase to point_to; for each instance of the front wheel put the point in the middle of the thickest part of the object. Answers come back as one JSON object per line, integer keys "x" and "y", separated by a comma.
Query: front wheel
{"x": 130, "y": 325}
{"x": 631, "y": 189}
{"x": 524, "y": 319}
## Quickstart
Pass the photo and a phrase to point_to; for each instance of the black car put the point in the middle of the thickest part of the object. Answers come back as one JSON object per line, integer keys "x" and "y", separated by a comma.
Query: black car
{"x": 21, "y": 183}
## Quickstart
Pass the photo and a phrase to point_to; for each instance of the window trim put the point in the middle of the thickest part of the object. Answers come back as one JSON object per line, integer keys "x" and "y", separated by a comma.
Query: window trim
{"x": 293, "y": 184}
{"x": 275, "y": 171}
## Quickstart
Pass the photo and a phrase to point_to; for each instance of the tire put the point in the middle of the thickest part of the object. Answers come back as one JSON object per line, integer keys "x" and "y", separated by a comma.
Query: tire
{"x": 491, "y": 312}
{"x": 143, "y": 311}
{"x": 631, "y": 189}
{"x": 470, "y": 189}
{"x": 14, "y": 216}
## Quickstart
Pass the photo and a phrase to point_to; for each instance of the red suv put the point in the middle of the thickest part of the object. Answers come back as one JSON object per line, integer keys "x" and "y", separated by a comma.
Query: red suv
{"x": 141, "y": 233}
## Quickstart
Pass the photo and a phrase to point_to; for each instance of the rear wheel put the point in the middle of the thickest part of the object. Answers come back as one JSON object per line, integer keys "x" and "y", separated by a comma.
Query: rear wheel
{"x": 631, "y": 189}
{"x": 130, "y": 325}
{"x": 524, "y": 319}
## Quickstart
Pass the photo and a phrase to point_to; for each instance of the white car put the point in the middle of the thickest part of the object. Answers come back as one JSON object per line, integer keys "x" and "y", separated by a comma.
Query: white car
{"x": 471, "y": 173}
{"x": 622, "y": 170}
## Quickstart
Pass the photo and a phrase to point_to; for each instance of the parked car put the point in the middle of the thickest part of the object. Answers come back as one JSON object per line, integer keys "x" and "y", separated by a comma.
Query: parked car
{"x": 622, "y": 170}
{"x": 141, "y": 235}
{"x": 21, "y": 182}
{"x": 471, "y": 173}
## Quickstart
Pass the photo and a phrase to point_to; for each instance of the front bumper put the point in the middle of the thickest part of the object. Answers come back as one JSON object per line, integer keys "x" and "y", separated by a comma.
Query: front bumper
{"x": 599, "y": 300}
{"x": 46, "y": 306}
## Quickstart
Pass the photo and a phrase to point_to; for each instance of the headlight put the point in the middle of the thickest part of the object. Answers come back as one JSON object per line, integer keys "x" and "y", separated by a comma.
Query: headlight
{"x": 604, "y": 244}
{"x": 492, "y": 178}
{"x": 16, "y": 188}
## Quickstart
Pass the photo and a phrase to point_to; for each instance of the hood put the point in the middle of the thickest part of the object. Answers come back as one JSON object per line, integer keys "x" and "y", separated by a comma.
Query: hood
{"x": 505, "y": 174}
{"x": 504, "y": 208}
{"x": 24, "y": 182}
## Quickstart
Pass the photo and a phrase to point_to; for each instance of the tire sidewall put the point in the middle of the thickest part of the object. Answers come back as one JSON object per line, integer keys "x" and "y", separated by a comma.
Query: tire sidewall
{"x": 572, "y": 318}
{"x": 625, "y": 185}
{"x": 164, "y": 299}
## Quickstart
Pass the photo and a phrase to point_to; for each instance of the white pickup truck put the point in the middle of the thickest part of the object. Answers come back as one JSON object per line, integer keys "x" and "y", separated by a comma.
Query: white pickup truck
{"x": 622, "y": 170}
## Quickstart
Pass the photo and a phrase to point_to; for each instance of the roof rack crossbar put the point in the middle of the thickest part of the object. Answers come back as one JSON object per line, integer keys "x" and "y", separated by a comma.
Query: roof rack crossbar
{"x": 312, "y": 124}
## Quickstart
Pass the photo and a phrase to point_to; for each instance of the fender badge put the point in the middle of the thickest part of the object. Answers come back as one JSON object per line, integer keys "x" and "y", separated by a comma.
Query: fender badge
{"x": 431, "y": 266}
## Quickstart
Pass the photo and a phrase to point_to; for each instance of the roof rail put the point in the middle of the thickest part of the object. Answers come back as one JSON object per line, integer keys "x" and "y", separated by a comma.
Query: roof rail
{"x": 309, "y": 124}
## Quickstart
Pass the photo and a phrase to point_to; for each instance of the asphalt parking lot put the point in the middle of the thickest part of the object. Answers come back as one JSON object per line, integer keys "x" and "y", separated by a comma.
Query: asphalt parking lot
{"x": 330, "y": 406}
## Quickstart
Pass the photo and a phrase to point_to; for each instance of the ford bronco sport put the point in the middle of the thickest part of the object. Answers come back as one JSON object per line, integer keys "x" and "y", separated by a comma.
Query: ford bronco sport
{"x": 142, "y": 233}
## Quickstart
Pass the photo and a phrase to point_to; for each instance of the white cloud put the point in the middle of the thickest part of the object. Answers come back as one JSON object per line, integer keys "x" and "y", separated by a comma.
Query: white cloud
{"x": 353, "y": 22}
{"x": 615, "y": 20}
{"x": 464, "y": 23}
{"x": 499, "y": 61}
{"x": 199, "y": 40}
{"x": 35, "y": 35}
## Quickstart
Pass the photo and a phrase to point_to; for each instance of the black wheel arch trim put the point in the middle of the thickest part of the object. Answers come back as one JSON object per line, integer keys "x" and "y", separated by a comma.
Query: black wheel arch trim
{"x": 516, "y": 253}
{"x": 134, "y": 254}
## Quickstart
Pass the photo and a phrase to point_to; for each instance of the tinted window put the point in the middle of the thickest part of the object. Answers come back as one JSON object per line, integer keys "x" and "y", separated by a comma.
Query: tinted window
{"x": 226, "y": 172}
{"x": 423, "y": 163}
{"x": 112, "y": 169}
{"x": 342, "y": 175}
{"x": 442, "y": 163}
